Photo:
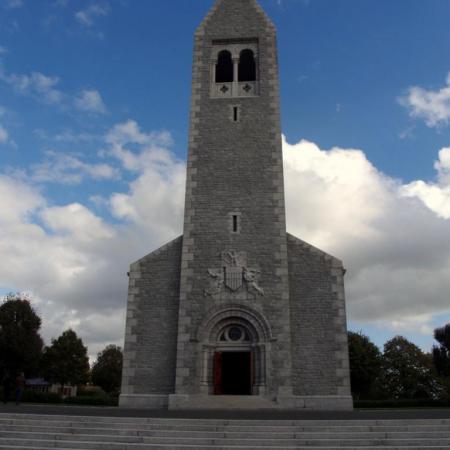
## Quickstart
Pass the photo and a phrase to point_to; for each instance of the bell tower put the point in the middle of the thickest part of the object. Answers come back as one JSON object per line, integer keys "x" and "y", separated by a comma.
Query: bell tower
{"x": 234, "y": 260}
{"x": 236, "y": 312}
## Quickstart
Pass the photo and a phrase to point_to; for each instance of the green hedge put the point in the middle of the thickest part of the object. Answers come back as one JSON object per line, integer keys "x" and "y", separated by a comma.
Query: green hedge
{"x": 406, "y": 403}
{"x": 34, "y": 397}
{"x": 47, "y": 397}
{"x": 40, "y": 397}
{"x": 98, "y": 398}
{"x": 90, "y": 391}
{"x": 89, "y": 400}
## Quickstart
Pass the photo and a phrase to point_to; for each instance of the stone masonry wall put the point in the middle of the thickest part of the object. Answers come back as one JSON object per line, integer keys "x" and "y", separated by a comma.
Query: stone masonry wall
{"x": 152, "y": 321}
{"x": 318, "y": 322}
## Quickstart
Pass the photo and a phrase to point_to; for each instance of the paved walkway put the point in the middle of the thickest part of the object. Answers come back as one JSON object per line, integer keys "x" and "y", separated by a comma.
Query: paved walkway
{"x": 391, "y": 414}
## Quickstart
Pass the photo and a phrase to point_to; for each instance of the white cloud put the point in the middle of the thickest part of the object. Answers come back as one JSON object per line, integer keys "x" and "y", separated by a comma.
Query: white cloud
{"x": 66, "y": 135}
{"x": 67, "y": 169}
{"x": 18, "y": 200}
{"x": 87, "y": 16}
{"x": 396, "y": 249}
{"x": 421, "y": 324}
{"x": 3, "y": 135}
{"x": 13, "y": 4}
{"x": 75, "y": 262}
{"x": 39, "y": 86}
{"x": 361, "y": 193}
{"x": 407, "y": 133}
{"x": 148, "y": 154}
{"x": 129, "y": 133}
{"x": 161, "y": 212}
{"x": 153, "y": 147}
{"x": 443, "y": 166}
{"x": 62, "y": 261}
{"x": 3, "y": 50}
{"x": 77, "y": 221}
{"x": 70, "y": 136}
{"x": 432, "y": 195}
{"x": 90, "y": 101}
{"x": 44, "y": 88}
{"x": 432, "y": 106}
{"x": 435, "y": 196}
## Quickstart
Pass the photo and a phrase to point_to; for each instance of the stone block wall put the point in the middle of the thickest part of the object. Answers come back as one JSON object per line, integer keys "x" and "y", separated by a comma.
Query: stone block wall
{"x": 151, "y": 330}
{"x": 318, "y": 322}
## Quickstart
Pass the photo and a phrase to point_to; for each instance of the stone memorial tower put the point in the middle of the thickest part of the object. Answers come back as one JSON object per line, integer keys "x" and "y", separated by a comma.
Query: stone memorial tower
{"x": 236, "y": 313}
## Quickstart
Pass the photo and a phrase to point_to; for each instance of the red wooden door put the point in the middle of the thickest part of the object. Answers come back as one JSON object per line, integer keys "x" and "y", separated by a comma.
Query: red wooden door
{"x": 218, "y": 373}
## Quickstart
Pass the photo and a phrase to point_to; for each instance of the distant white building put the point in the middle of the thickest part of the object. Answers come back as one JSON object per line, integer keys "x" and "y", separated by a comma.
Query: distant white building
{"x": 40, "y": 385}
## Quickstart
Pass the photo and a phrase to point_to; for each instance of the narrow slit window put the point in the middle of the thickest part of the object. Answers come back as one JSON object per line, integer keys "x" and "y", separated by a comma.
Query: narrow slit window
{"x": 235, "y": 224}
{"x": 235, "y": 113}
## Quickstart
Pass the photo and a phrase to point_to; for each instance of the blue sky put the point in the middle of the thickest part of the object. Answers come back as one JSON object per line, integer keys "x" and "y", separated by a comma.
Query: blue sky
{"x": 94, "y": 103}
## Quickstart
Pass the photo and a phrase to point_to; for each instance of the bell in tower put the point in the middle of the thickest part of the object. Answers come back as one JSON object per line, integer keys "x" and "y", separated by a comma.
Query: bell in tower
{"x": 236, "y": 312}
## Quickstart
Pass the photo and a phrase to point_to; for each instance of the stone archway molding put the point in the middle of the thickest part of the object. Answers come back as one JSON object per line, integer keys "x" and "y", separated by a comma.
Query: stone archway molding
{"x": 219, "y": 314}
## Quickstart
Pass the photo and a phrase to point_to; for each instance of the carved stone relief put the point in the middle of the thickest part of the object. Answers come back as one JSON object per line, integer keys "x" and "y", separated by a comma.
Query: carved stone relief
{"x": 233, "y": 276}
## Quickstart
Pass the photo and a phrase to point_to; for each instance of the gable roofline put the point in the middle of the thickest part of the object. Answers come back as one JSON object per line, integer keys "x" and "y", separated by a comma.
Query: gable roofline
{"x": 335, "y": 261}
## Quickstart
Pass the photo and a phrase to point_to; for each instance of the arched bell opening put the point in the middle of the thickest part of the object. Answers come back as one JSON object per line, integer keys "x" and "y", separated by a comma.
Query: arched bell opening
{"x": 234, "y": 355}
{"x": 247, "y": 66}
{"x": 224, "y": 67}
{"x": 234, "y": 69}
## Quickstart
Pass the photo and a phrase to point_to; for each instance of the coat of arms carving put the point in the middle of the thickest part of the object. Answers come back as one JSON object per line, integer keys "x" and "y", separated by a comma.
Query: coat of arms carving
{"x": 233, "y": 275}
{"x": 233, "y": 265}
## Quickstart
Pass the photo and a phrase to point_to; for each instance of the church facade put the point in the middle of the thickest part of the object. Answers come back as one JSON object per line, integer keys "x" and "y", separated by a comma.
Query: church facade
{"x": 236, "y": 313}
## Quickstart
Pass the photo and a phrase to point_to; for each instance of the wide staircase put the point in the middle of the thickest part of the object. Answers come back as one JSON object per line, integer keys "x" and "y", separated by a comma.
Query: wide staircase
{"x": 45, "y": 432}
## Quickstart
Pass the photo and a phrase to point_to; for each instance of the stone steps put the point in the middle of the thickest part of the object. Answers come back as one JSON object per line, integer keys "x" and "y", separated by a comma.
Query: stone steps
{"x": 343, "y": 433}
{"x": 104, "y": 442}
{"x": 176, "y": 423}
{"x": 224, "y": 402}
{"x": 171, "y": 447}
{"x": 42, "y": 432}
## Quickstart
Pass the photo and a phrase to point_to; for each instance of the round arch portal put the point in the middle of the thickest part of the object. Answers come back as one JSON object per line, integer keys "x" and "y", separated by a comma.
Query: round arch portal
{"x": 235, "y": 345}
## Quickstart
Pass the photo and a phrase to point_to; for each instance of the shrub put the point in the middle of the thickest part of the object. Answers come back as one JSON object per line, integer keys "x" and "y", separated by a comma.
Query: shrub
{"x": 30, "y": 396}
{"x": 405, "y": 403}
{"x": 94, "y": 397}
{"x": 88, "y": 400}
{"x": 90, "y": 391}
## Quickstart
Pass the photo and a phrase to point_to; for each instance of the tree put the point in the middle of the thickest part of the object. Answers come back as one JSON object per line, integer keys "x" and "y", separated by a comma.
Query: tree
{"x": 20, "y": 342}
{"x": 107, "y": 370}
{"x": 365, "y": 365}
{"x": 66, "y": 360}
{"x": 441, "y": 352}
{"x": 408, "y": 372}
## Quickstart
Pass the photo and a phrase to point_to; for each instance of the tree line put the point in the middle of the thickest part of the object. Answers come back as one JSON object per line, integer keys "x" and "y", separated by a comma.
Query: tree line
{"x": 64, "y": 362}
{"x": 401, "y": 371}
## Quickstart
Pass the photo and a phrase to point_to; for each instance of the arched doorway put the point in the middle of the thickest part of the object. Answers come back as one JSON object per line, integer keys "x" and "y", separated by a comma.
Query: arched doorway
{"x": 235, "y": 347}
{"x": 233, "y": 361}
